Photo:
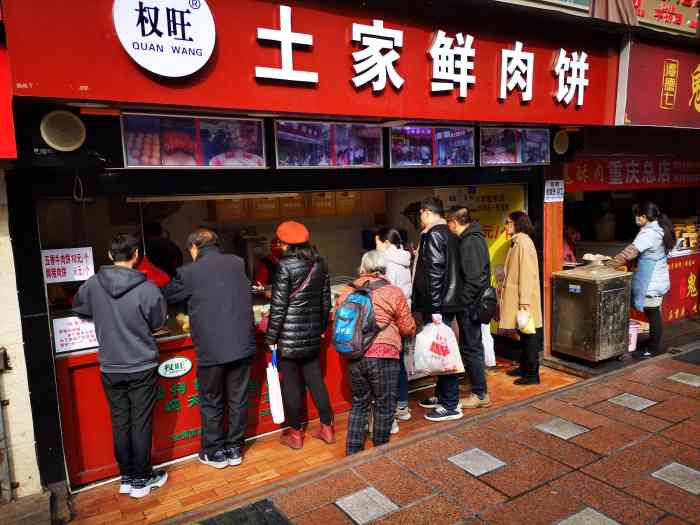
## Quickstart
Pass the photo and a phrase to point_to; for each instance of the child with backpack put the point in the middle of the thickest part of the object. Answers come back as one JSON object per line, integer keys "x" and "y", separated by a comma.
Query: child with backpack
{"x": 371, "y": 317}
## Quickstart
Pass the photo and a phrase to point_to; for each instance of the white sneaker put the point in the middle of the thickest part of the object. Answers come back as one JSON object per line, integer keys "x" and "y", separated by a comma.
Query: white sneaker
{"x": 403, "y": 413}
{"x": 140, "y": 488}
{"x": 125, "y": 485}
{"x": 394, "y": 427}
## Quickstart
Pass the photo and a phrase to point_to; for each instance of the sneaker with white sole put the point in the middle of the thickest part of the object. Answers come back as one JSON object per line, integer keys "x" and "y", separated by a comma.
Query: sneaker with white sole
{"x": 125, "y": 485}
{"x": 140, "y": 488}
{"x": 403, "y": 413}
{"x": 235, "y": 456}
{"x": 441, "y": 413}
{"x": 218, "y": 459}
{"x": 430, "y": 402}
{"x": 394, "y": 428}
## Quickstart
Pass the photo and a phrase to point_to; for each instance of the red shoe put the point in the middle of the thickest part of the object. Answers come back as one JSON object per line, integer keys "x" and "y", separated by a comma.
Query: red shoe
{"x": 325, "y": 433}
{"x": 292, "y": 438}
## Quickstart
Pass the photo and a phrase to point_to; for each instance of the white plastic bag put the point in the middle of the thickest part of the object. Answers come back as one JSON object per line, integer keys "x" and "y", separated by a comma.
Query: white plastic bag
{"x": 275, "y": 391}
{"x": 525, "y": 322}
{"x": 487, "y": 341}
{"x": 437, "y": 351}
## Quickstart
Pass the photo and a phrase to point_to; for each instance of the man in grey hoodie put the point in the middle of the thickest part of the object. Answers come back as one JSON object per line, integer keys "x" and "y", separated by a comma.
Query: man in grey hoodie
{"x": 126, "y": 308}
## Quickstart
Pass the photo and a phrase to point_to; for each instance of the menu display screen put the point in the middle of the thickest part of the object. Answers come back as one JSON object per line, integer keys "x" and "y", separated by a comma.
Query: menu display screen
{"x": 514, "y": 147}
{"x": 423, "y": 146}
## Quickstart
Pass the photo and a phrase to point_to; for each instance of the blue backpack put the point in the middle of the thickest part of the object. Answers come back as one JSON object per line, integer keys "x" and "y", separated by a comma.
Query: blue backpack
{"x": 354, "y": 327}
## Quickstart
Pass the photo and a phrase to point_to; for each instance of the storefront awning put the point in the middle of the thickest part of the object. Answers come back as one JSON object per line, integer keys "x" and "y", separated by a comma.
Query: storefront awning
{"x": 8, "y": 148}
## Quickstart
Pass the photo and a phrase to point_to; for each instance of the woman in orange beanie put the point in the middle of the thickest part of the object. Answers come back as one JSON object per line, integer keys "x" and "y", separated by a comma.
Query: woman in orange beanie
{"x": 299, "y": 313}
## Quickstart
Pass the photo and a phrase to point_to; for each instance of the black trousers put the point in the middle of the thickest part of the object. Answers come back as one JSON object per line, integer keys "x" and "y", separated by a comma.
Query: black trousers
{"x": 471, "y": 347}
{"x": 297, "y": 374}
{"x": 221, "y": 387}
{"x": 530, "y": 357}
{"x": 656, "y": 329}
{"x": 131, "y": 399}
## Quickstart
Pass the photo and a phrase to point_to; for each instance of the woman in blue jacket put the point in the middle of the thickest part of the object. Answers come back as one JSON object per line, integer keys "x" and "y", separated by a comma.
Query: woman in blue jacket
{"x": 651, "y": 280}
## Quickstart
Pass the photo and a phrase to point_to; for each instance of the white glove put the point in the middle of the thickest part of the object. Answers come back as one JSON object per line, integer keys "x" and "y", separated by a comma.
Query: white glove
{"x": 437, "y": 319}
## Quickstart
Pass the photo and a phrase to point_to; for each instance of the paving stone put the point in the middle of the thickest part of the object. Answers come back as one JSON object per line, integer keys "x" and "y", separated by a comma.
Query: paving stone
{"x": 505, "y": 449}
{"x": 433, "y": 510}
{"x": 518, "y": 420}
{"x": 608, "y": 439}
{"x": 539, "y": 507}
{"x": 532, "y": 471}
{"x": 686, "y": 379}
{"x": 631, "y": 417}
{"x": 686, "y": 432}
{"x": 391, "y": 479}
{"x": 632, "y": 402}
{"x": 563, "y": 451}
{"x": 318, "y": 493}
{"x": 476, "y": 462}
{"x": 681, "y": 476}
{"x": 326, "y": 515}
{"x": 676, "y": 409}
{"x": 366, "y": 505}
{"x": 561, "y": 428}
{"x": 588, "y": 516}
{"x": 667, "y": 497}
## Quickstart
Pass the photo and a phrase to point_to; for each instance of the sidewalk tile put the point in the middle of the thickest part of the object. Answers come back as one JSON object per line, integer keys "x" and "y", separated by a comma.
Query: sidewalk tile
{"x": 563, "y": 451}
{"x": 452, "y": 481}
{"x": 532, "y": 471}
{"x": 428, "y": 451}
{"x": 687, "y": 432}
{"x": 326, "y": 515}
{"x": 494, "y": 443}
{"x": 632, "y": 402}
{"x": 561, "y": 428}
{"x": 605, "y": 440}
{"x": 476, "y": 462}
{"x": 397, "y": 483}
{"x": 646, "y": 374}
{"x": 636, "y": 419}
{"x": 614, "y": 503}
{"x": 676, "y": 409}
{"x": 667, "y": 497}
{"x": 366, "y": 505}
{"x": 540, "y": 507}
{"x": 572, "y": 413}
{"x": 588, "y": 516}
{"x": 589, "y": 395}
{"x": 681, "y": 476}
{"x": 677, "y": 388}
{"x": 672, "y": 520}
{"x": 686, "y": 378}
{"x": 437, "y": 510}
{"x": 655, "y": 394}
{"x": 318, "y": 493}
{"x": 518, "y": 420}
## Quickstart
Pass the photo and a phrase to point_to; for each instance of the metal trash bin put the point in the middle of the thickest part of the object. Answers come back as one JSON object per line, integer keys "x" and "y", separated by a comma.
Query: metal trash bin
{"x": 591, "y": 312}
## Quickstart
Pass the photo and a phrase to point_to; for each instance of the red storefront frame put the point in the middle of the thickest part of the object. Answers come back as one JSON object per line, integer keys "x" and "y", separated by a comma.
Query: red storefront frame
{"x": 8, "y": 148}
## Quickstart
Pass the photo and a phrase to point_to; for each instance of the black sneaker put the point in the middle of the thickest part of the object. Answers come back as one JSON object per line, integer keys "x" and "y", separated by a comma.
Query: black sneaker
{"x": 235, "y": 456}
{"x": 218, "y": 459}
{"x": 441, "y": 413}
{"x": 515, "y": 372}
{"x": 527, "y": 381}
{"x": 430, "y": 402}
{"x": 141, "y": 487}
{"x": 125, "y": 485}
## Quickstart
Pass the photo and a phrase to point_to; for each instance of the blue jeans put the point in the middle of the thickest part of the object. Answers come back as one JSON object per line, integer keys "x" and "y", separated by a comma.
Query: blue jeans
{"x": 403, "y": 376}
{"x": 447, "y": 388}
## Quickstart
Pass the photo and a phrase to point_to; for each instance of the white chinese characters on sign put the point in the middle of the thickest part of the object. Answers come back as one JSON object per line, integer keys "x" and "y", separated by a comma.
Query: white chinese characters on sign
{"x": 452, "y": 65}
{"x": 171, "y": 38}
{"x": 571, "y": 72}
{"x": 371, "y": 64}
{"x": 517, "y": 68}
{"x": 287, "y": 38}
{"x": 67, "y": 265}
{"x": 73, "y": 333}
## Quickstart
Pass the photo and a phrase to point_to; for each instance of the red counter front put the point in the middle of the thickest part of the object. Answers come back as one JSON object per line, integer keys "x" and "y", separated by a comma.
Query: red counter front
{"x": 87, "y": 429}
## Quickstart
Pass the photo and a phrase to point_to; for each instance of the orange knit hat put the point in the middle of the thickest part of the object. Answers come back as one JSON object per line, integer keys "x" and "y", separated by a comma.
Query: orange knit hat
{"x": 291, "y": 232}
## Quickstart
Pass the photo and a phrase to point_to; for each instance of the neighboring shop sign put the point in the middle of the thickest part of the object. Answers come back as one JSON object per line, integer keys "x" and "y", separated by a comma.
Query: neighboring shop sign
{"x": 630, "y": 173}
{"x": 67, "y": 265}
{"x": 300, "y": 59}
{"x": 171, "y": 38}
{"x": 554, "y": 191}
{"x": 430, "y": 147}
{"x": 660, "y": 86}
{"x": 73, "y": 333}
{"x": 677, "y": 15}
{"x": 682, "y": 299}
{"x": 514, "y": 147}
{"x": 159, "y": 141}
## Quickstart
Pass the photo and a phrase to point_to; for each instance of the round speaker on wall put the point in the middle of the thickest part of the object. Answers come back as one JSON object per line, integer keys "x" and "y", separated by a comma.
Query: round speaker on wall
{"x": 62, "y": 130}
{"x": 561, "y": 142}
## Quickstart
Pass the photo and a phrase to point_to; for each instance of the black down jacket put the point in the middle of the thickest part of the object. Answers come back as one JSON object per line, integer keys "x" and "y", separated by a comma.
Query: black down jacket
{"x": 437, "y": 284}
{"x": 296, "y": 323}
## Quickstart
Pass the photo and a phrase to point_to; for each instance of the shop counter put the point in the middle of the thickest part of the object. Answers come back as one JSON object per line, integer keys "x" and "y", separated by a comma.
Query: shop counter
{"x": 85, "y": 417}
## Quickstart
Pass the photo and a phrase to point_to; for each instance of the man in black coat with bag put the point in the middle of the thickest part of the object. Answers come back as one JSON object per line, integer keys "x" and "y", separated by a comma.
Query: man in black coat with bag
{"x": 221, "y": 316}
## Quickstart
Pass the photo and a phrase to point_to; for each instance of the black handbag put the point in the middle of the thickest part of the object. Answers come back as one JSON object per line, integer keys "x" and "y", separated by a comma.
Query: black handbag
{"x": 485, "y": 307}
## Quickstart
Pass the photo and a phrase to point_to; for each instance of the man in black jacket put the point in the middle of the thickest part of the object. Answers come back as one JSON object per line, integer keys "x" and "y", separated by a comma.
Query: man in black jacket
{"x": 475, "y": 270}
{"x": 221, "y": 317}
{"x": 437, "y": 296}
{"x": 126, "y": 308}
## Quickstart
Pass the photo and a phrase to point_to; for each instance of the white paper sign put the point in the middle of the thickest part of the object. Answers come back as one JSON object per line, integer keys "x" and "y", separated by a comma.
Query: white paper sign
{"x": 554, "y": 191}
{"x": 172, "y": 38}
{"x": 73, "y": 333}
{"x": 67, "y": 265}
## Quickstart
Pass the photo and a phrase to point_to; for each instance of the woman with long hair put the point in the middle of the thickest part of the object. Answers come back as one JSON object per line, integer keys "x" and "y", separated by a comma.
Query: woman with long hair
{"x": 521, "y": 292}
{"x": 651, "y": 281}
{"x": 299, "y": 313}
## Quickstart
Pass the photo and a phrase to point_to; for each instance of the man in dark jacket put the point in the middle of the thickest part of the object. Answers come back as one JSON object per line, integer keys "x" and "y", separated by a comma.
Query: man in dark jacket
{"x": 437, "y": 296}
{"x": 126, "y": 308}
{"x": 221, "y": 317}
{"x": 475, "y": 270}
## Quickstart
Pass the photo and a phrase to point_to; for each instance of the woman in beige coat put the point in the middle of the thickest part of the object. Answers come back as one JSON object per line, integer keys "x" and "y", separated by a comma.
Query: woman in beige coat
{"x": 521, "y": 291}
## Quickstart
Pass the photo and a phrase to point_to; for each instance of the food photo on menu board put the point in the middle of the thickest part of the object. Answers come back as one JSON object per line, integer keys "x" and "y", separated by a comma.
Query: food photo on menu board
{"x": 358, "y": 145}
{"x": 455, "y": 146}
{"x": 535, "y": 146}
{"x": 178, "y": 142}
{"x": 234, "y": 143}
{"x": 411, "y": 146}
{"x": 303, "y": 144}
{"x": 142, "y": 140}
{"x": 514, "y": 146}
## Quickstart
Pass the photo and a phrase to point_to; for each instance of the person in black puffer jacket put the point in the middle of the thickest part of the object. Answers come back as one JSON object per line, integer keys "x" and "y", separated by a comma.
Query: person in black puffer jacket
{"x": 299, "y": 313}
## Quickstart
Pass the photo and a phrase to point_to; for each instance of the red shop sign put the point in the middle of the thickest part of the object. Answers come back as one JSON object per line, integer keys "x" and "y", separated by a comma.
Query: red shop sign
{"x": 663, "y": 86}
{"x": 8, "y": 148}
{"x": 630, "y": 173}
{"x": 348, "y": 60}
{"x": 682, "y": 299}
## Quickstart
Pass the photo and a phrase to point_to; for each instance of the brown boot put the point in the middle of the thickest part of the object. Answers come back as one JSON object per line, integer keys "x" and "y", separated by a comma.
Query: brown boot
{"x": 325, "y": 433}
{"x": 292, "y": 438}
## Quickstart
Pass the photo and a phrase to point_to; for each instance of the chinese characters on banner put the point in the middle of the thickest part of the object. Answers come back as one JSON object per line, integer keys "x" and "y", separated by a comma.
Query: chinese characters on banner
{"x": 73, "y": 333}
{"x": 682, "y": 299}
{"x": 67, "y": 265}
{"x": 677, "y": 15}
{"x": 630, "y": 173}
